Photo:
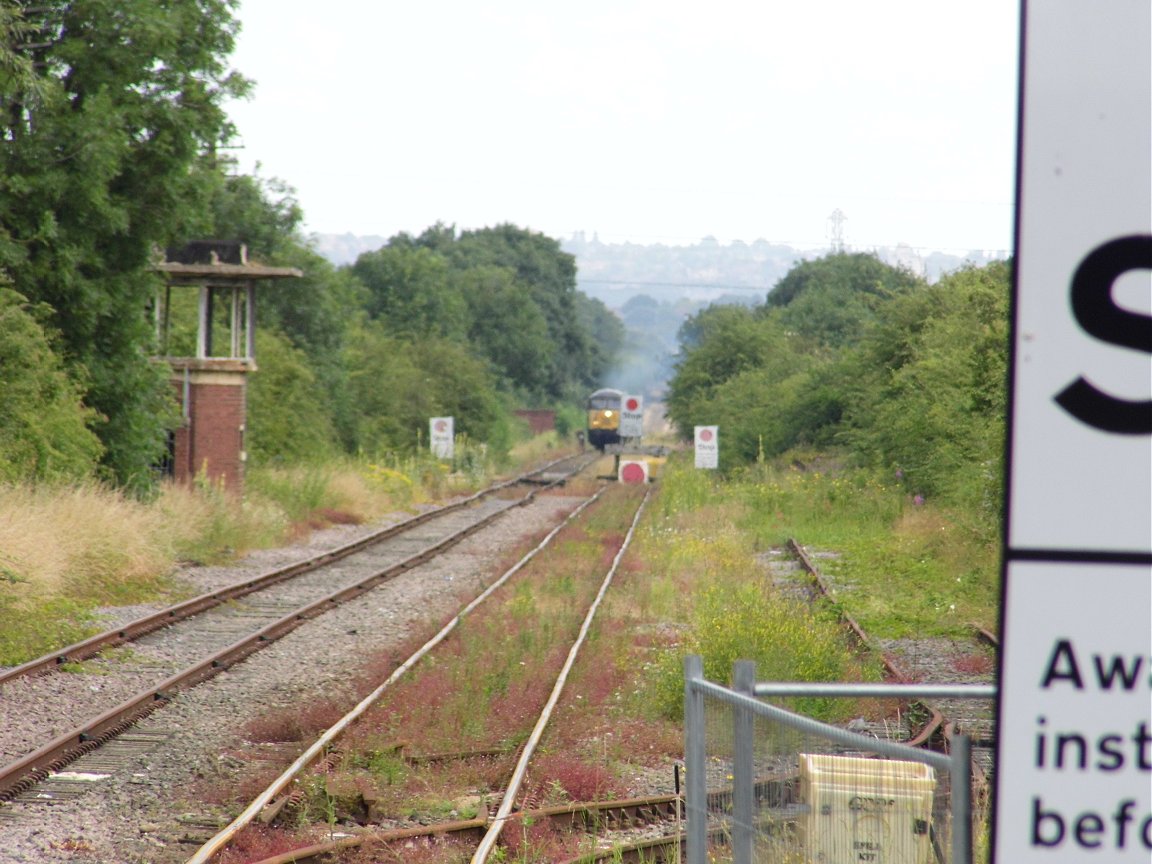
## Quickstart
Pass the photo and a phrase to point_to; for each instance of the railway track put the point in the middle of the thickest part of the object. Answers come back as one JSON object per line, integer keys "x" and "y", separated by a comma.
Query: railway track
{"x": 644, "y": 829}
{"x": 656, "y": 817}
{"x": 646, "y": 832}
{"x": 179, "y": 647}
{"x": 937, "y": 661}
{"x": 482, "y": 833}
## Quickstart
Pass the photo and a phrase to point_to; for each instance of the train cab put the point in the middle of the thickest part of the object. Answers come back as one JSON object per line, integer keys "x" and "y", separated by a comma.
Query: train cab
{"x": 604, "y": 417}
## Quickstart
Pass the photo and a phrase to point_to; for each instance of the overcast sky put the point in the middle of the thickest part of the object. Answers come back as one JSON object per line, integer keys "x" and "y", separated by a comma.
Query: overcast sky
{"x": 642, "y": 120}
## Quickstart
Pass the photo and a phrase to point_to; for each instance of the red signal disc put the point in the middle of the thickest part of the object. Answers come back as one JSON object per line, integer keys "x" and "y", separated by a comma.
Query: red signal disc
{"x": 633, "y": 472}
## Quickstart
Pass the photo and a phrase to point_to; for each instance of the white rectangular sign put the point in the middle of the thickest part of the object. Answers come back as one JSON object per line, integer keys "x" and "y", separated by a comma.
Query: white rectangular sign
{"x": 707, "y": 446}
{"x": 442, "y": 437}
{"x": 1075, "y": 738}
{"x": 632, "y": 417}
{"x": 1074, "y": 747}
{"x": 1083, "y": 338}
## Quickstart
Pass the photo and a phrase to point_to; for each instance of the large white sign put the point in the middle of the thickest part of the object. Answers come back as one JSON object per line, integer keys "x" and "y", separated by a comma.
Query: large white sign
{"x": 1075, "y": 737}
{"x": 1074, "y": 756}
{"x": 1083, "y": 338}
{"x": 632, "y": 417}
{"x": 442, "y": 437}
{"x": 707, "y": 446}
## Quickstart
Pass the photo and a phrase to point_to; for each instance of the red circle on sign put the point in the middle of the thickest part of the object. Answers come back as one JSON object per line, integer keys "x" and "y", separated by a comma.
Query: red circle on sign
{"x": 705, "y": 434}
{"x": 441, "y": 425}
{"x": 632, "y": 404}
{"x": 632, "y": 472}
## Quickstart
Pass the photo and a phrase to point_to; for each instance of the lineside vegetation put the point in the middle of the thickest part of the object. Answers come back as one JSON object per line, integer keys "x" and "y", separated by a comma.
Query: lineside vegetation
{"x": 67, "y": 551}
{"x": 696, "y": 579}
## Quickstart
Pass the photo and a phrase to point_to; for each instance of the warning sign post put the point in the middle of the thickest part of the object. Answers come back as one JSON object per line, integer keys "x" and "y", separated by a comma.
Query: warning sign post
{"x": 1074, "y": 737}
{"x": 632, "y": 417}
{"x": 442, "y": 437}
{"x": 707, "y": 446}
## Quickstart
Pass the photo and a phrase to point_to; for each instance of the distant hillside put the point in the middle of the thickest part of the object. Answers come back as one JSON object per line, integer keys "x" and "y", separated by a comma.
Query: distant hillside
{"x": 704, "y": 272}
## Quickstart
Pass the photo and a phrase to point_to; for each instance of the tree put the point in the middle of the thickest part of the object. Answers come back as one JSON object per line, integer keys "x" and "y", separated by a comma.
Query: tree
{"x": 289, "y": 416}
{"x": 411, "y": 291}
{"x": 521, "y": 309}
{"x": 550, "y": 275}
{"x": 44, "y": 434}
{"x": 723, "y": 342}
{"x": 856, "y": 355}
{"x": 259, "y": 212}
{"x": 104, "y": 157}
{"x": 396, "y": 385}
{"x": 832, "y": 300}
{"x": 508, "y": 328}
{"x": 934, "y": 394}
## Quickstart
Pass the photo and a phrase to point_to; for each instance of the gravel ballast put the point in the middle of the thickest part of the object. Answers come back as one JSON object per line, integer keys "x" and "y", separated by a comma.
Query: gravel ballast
{"x": 145, "y": 809}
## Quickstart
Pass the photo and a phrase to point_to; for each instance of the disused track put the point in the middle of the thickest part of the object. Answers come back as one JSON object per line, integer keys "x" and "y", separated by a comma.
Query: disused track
{"x": 483, "y": 833}
{"x": 640, "y": 830}
{"x": 944, "y": 717}
{"x": 594, "y": 818}
{"x": 206, "y": 635}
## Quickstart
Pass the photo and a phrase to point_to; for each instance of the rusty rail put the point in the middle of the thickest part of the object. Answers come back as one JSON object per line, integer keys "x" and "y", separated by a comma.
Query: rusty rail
{"x": 20, "y": 775}
{"x": 269, "y": 797}
{"x": 133, "y": 630}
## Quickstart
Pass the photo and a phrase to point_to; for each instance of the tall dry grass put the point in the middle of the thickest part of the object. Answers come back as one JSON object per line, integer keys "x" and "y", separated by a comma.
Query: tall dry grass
{"x": 84, "y": 541}
{"x": 66, "y": 551}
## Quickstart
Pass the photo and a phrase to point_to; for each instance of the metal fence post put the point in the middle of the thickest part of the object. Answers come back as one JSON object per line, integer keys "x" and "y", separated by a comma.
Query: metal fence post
{"x": 743, "y": 759}
{"x": 695, "y": 787}
{"x": 961, "y": 799}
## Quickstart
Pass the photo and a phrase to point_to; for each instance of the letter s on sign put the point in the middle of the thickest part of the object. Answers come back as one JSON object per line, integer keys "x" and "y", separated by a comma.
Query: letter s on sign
{"x": 1098, "y": 314}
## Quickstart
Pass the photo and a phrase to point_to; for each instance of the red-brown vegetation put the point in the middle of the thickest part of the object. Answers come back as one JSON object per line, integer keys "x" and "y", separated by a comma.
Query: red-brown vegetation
{"x": 974, "y": 664}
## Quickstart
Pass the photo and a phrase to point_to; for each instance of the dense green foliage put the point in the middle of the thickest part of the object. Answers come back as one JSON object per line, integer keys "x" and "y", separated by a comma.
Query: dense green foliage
{"x": 850, "y": 353}
{"x": 110, "y": 120}
{"x": 397, "y": 385}
{"x": 469, "y": 325}
{"x": 44, "y": 432}
{"x": 292, "y": 424}
{"x": 930, "y": 396}
{"x": 107, "y": 118}
{"x": 831, "y": 301}
{"x": 511, "y": 292}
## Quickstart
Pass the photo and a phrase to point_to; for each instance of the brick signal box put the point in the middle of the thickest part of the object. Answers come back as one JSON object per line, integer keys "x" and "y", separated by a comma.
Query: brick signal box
{"x": 211, "y": 386}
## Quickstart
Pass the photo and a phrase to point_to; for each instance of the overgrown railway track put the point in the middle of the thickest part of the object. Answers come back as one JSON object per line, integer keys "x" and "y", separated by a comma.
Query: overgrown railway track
{"x": 967, "y": 661}
{"x": 483, "y": 832}
{"x": 644, "y": 829}
{"x": 184, "y": 645}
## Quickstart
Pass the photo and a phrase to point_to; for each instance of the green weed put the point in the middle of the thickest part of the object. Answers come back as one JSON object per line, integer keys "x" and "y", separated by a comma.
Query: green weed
{"x": 27, "y": 631}
{"x": 904, "y": 567}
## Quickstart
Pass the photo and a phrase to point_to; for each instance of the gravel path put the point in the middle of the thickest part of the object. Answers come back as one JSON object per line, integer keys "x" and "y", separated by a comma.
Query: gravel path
{"x": 145, "y": 809}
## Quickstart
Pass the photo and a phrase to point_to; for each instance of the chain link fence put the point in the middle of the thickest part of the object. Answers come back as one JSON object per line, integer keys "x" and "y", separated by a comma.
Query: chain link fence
{"x": 764, "y": 785}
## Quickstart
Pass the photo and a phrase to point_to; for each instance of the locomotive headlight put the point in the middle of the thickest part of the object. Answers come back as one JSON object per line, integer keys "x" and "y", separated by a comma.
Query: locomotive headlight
{"x": 608, "y": 413}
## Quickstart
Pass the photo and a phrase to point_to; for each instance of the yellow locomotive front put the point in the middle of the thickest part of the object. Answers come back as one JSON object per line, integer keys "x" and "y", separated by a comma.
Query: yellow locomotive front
{"x": 604, "y": 417}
